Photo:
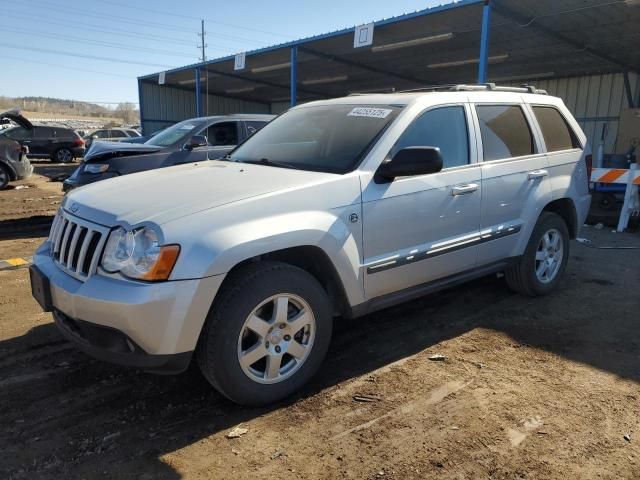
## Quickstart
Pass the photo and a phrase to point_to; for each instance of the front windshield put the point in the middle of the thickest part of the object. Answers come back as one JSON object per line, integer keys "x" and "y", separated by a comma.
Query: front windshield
{"x": 173, "y": 134}
{"x": 326, "y": 138}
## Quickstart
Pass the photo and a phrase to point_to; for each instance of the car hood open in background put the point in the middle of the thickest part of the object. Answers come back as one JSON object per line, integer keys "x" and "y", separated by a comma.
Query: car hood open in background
{"x": 16, "y": 116}
{"x": 105, "y": 150}
{"x": 166, "y": 194}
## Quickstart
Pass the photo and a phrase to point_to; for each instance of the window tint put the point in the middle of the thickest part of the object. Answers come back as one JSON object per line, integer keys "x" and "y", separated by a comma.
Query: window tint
{"x": 133, "y": 133}
{"x": 44, "y": 132}
{"x": 118, "y": 134}
{"x": 19, "y": 133}
{"x": 505, "y": 132}
{"x": 253, "y": 127}
{"x": 325, "y": 138}
{"x": 100, "y": 134}
{"x": 445, "y": 128}
{"x": 557, "y": 134}
{"x": 225, "y": 133}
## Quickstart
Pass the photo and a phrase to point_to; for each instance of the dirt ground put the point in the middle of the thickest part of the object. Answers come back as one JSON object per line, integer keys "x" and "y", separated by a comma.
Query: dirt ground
{"x": 542, "y": 388}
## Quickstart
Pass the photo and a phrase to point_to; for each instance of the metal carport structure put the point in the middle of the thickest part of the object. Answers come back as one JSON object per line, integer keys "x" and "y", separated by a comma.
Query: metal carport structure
{"x": 504, "y": 41}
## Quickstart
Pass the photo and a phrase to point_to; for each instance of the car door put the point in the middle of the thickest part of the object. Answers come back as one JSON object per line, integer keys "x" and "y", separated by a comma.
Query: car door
{"x": 419, "y": 229}
{"x": 42, "y": 141}
{"x": 515, "y": 179}
{"x": 117, "y": 135}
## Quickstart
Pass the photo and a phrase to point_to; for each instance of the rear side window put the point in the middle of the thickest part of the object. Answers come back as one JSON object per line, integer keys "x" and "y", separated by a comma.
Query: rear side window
{"x": 555, "y": 130}
{"x": 445, "y": 128}
{"x": 118, "y": 134}
{"x": 44, "y": 132}
{"x": 505, "y": 132}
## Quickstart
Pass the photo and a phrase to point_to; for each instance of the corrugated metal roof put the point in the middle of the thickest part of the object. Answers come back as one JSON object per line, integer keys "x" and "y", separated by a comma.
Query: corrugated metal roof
{"x": 529, "y": 39}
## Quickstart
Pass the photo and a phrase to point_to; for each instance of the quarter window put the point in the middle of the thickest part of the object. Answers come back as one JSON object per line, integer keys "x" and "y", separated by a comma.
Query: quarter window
{"x": 505, "y": 132}
{"x": 445, "y": 128}
{"x": 557, "y": 134}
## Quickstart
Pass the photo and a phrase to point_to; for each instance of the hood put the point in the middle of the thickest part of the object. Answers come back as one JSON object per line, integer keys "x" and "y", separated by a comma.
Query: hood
{"x": 165, "y": 194}
{"x": 101, "y": 150}
{"x": 16, "y": 116}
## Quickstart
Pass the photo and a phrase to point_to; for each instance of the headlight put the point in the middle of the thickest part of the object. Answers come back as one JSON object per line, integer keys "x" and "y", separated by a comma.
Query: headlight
{"x": 96, "y": 167}
{"x": 138, "y": 254}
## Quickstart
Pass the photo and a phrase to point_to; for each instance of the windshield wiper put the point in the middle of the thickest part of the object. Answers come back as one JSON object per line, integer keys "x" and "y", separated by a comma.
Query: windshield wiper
{"x": 271, "y": 163}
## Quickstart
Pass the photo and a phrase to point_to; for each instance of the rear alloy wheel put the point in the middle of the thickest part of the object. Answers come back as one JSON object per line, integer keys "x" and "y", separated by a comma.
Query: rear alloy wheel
{"x": 266, "y": 334}
{"x": 4, "y": 177}
{"x": 63, "y": 155}
{"x": 541, "y": 266}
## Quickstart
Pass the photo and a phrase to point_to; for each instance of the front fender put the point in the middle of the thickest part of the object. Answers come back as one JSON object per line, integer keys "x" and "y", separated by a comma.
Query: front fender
{"x": 219, "y": 250}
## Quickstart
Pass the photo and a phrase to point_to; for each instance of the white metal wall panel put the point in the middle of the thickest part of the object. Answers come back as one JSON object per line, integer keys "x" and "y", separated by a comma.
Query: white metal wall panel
{"x": 162, "y": 106}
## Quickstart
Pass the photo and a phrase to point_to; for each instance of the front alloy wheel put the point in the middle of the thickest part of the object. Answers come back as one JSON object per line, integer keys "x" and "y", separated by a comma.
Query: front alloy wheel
{"x": 276, "y": 338}
{"x": 266, "y": 334}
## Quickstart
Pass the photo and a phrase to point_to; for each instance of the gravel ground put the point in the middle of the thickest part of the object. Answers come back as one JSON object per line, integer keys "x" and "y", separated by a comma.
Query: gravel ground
{"x": 530, "y": 388}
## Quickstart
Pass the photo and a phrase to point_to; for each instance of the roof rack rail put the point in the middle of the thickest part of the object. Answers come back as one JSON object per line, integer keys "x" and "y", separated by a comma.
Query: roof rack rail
{"x": 477, "y": 87}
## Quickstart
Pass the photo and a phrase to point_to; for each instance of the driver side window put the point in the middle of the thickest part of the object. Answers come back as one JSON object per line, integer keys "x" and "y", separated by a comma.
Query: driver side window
{"x": 445, "y": 128}
{"x": 222, "y": 134}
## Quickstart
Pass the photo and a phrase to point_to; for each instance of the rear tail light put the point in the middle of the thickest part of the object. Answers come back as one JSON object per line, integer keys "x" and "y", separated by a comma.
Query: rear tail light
{"x": 589, "y": 161}
{"x": 78, "y": 142}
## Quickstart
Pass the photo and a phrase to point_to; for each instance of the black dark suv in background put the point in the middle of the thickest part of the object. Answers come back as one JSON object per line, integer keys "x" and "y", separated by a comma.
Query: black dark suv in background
{"x": 57, "y": 143}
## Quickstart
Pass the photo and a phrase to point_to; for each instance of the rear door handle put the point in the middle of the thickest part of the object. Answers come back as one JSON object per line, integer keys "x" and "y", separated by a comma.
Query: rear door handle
{"x": 464, "y": 189}
{"x": 537, "y": 174}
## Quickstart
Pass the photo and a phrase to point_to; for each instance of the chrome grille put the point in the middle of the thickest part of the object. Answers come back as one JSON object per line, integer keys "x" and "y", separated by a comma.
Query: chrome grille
{"x": 76, "y": 244}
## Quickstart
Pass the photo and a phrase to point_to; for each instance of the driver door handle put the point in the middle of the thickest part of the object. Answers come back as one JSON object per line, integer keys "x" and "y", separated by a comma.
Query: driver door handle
{"x": 464, "y": 189}
{"x": 537, "y": 174}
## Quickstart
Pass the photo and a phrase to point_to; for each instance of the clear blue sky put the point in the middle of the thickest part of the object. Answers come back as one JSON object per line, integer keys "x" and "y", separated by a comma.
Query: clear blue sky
{"x": 93, "y": 50}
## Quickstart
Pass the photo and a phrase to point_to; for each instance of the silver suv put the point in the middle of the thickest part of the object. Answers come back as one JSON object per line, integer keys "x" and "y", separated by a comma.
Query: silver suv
{"x": 335, "y": 209}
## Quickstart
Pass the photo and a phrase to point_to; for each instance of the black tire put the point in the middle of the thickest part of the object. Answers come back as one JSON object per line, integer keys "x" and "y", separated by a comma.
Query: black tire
{"x": 62, "y": 155}
{"x": 5, "y": 177}
{"x": 218, "y": 348}
{"x": 522, "y": 276}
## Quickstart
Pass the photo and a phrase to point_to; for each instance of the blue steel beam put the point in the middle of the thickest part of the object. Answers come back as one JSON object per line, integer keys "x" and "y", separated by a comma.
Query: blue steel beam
{"x": 485, "y": 35}
{"x": 294, "y": 76}
{"x": 198, "y": 94}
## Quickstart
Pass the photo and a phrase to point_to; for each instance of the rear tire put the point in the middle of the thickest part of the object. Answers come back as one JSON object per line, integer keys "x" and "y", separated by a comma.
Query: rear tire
{"x": 266, "y": 334}
{"x": 540, "y": 268}
{"x": 63, "y": 155}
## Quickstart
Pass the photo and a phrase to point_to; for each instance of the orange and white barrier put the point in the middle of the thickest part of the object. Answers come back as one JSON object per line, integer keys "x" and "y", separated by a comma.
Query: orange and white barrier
{"x": 614, "y": 175}
{"x": 631, "y": 178}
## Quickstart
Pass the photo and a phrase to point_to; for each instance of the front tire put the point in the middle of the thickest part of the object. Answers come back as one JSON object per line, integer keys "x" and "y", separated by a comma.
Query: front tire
{"x": 266, "y": 335}
{"x": 540, "y": 268}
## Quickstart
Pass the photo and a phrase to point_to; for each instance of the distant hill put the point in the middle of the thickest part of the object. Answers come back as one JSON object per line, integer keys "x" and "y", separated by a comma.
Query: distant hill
{"x": 59, "y": 108}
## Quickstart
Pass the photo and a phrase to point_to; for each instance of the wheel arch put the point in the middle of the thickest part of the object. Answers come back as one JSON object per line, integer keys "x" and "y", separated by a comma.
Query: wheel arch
{"x": 12, "y": 173}
{"x": 315, "y": 261}
{"x": 566, "y": 209}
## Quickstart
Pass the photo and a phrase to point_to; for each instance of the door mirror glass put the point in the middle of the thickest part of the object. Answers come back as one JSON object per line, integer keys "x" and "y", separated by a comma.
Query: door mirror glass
{"x": 411, "y": 161}
{"x": 196, "y": 141}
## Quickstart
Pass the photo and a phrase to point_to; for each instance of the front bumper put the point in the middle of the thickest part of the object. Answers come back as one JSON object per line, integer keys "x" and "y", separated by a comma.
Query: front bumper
{"x": 154, "y": 326}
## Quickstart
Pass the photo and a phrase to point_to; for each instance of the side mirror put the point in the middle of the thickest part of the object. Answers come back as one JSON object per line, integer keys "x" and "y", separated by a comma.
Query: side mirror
{"x": 196, "y": 141}
{"x": 411, "y": 161}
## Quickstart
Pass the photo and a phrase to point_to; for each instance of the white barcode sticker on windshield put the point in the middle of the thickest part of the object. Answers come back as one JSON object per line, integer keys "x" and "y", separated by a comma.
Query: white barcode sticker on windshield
{"x": 369, "y": 112}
